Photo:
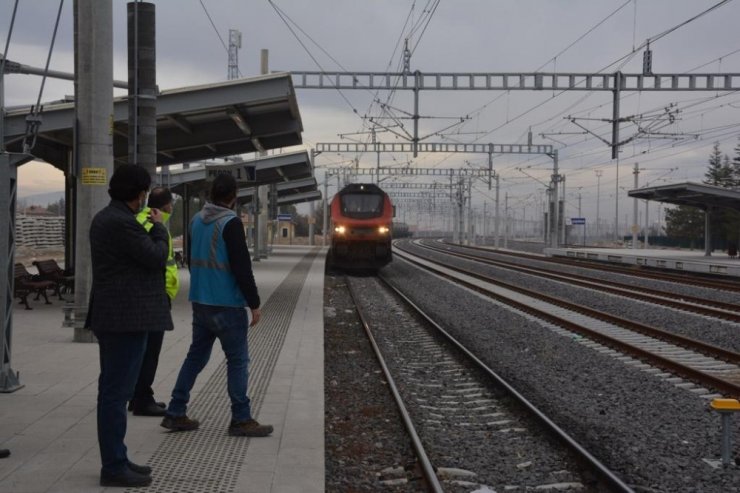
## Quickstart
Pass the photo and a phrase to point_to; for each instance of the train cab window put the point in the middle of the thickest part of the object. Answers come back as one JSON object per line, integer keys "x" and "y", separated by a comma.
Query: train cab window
{"x": 362, "y": 205}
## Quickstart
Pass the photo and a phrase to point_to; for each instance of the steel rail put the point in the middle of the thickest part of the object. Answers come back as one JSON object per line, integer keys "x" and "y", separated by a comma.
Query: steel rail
{"x": 703, "y": 306}
{"x": 426, "y": 465}
{"x": 626, "y": 270}
{"x": 604, "y": 472}
{"x": 655, "y": 359}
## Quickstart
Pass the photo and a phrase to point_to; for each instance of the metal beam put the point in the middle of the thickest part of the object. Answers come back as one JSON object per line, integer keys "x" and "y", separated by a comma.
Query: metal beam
{"x": 416, "y": 186}
{"x": 511, "y": 81}
{"x": 479, "y": 173}
{"x": 12, "y": 67}
{"x": 353, "y": 147}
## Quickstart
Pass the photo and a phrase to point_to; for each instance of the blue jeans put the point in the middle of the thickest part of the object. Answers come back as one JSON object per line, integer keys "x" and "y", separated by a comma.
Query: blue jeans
{"x": 228, "y": 325}
{"x": 121, "y": 354}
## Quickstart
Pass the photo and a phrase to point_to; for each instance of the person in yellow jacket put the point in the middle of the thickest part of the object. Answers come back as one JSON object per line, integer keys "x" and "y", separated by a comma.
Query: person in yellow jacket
{"x": 143, "y": 402}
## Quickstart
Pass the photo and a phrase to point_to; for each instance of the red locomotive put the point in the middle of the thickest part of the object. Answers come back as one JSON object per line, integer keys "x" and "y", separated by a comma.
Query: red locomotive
{"x": 361, "y": 217}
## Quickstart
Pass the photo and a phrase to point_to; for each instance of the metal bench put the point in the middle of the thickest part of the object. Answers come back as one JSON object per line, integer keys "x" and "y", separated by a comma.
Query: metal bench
{"x": 25, "y": 284}
{"x": 49, "y": 270}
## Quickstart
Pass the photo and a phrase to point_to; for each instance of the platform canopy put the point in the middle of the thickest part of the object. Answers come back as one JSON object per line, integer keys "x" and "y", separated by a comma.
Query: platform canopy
{"x": 696, "y": 195}
{"x": 193, "y": 123}
{"x": 289, "y": 192}
{"x": 291, "y": 171}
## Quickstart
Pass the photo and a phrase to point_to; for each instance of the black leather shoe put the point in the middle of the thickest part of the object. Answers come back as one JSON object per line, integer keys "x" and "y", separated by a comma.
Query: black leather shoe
{"x": 145, "y": 470}
{"x": 151, "y": 409}
{"x": 161, "y": 404}
{"x": 126, "y": 479}
{"x": 4, "y": 453}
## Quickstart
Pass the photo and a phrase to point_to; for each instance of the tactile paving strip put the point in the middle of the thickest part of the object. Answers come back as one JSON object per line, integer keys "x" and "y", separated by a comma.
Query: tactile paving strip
{"x": 208, "y": 460}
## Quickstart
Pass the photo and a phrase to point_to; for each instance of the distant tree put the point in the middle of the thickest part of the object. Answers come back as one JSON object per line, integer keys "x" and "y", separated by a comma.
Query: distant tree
{"x": 736, "y": 162}
{"x": 685, "y": 222}
{"x": 719, "y": 172}
{"x": 57, "y": 207}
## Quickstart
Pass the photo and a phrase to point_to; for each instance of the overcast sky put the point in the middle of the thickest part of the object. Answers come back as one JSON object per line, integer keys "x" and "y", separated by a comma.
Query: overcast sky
{"x": 460, "y": 36}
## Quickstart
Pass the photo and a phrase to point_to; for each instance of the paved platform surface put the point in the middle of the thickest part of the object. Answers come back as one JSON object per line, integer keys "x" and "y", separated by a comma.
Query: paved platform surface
{"x": 50, "y": 424}
{"x": 685, "y": 260}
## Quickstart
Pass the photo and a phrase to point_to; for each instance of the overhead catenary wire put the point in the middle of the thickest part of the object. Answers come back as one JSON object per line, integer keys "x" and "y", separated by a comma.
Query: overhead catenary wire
{"x": 7, "y": 46}
{"x": 33, "y": 122}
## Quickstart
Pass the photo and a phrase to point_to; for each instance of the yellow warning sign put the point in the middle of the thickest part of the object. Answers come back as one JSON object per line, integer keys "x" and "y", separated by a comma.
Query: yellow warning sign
{"x": 94, "y": 176}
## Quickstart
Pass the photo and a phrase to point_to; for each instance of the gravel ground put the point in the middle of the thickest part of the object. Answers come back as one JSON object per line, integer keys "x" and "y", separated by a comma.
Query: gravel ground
{"x": 653, "y": 434}
{"x": 711, "y": 330}
{"x": 672, "y": 287}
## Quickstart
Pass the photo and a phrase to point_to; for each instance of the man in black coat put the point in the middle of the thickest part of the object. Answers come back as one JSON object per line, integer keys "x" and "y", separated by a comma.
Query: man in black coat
{"x": 128, "y": 299}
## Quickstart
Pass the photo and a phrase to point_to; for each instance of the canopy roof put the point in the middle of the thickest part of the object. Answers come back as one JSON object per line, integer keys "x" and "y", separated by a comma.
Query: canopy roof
{"x": 193, "y": 123}
{"x": 692, "y": 194}
{"x": 291, "y": 171}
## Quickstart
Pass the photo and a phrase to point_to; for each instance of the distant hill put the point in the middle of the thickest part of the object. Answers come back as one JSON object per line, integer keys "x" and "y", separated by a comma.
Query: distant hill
{"x": 42, "y": 199}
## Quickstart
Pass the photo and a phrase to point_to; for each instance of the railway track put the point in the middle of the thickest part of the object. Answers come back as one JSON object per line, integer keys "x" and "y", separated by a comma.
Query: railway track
{"x": 691, "y": 304}
{"x": 458, "y": 411}
{"x": 646, "y": 273}
{"x": 707, "y": 365}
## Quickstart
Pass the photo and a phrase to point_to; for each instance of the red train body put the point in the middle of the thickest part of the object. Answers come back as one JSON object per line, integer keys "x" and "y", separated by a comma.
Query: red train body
{"x": 362, "y": 218}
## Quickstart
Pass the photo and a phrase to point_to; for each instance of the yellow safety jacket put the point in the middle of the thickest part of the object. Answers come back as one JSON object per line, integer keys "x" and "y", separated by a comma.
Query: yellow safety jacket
{"x": 172, "y": 282}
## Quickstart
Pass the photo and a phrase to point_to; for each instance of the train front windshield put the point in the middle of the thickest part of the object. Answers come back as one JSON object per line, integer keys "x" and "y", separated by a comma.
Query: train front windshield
{"x": 362, "y": 205}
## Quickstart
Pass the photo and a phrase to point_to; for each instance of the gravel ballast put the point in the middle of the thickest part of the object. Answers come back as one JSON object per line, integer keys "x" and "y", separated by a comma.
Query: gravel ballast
{"x": 652, "y": 433}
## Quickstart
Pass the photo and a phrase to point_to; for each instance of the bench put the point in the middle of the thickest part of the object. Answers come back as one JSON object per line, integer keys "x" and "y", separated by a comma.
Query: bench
{"x": 26, "y": 284}
{"x": 49, "y": 270}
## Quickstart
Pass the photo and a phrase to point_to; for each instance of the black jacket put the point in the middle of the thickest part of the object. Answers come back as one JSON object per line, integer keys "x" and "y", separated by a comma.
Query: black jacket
{"x": 128, "y": 289}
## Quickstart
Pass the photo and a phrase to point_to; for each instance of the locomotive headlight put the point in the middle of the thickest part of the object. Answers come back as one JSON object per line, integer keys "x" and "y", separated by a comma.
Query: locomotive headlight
{"x": 383, "y": 230}
{"x": 340, "y": 230}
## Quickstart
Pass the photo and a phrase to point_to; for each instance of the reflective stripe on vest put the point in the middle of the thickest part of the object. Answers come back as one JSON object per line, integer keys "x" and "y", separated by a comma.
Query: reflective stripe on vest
{"x": 172, "y": 279}
{"x": 211, "y": 279}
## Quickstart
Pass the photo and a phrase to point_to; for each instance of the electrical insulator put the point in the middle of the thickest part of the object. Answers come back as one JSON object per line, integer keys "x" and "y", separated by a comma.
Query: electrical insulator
{"x": 647, "y": 62}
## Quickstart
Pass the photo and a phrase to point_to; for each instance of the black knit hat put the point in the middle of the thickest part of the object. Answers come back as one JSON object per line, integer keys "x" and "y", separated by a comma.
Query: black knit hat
{"x": 128, "y": 181}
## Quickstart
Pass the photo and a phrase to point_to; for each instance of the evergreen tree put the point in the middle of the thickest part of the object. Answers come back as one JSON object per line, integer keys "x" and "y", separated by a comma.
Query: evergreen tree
{"x": 685, "y": 222}
{"x": 719, "y": 172}
{"x": 736, "y": 164}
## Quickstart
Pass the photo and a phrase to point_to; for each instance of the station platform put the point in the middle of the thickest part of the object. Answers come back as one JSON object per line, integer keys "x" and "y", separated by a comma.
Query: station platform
{"x": 49, "y": 425}
{"x": 719, "y": 263}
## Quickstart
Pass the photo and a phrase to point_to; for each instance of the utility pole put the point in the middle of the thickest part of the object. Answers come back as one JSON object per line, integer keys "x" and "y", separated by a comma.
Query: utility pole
{"x": 94, "y": 157}
{"x": 645, "y": 244}
{"x": 485, "y": 223}
{"x": 616, "y": 205}
{"x": 506, "y": 220}
{"x": 555, "y": 235}
{"x": 561, "y": 212}
{"x": 635, "y": 225}
{"x": 262, "y": 191}
{"x": 496, "y": 213}
{"x": 9, "y": 379}
{"x": 326, "y": 210}
{"x": 470, "y": 229}
{"x": 599, "y": 172}
{"x": 142, "y": 87}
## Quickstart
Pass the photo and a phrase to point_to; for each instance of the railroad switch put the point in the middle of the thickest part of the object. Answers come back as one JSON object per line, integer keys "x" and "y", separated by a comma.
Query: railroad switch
{"x": 725, "y": 407}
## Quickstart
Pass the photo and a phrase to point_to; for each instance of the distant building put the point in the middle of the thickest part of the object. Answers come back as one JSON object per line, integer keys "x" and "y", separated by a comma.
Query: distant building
{"x": 35, "y": 227}
{"x": 37, "y": 211}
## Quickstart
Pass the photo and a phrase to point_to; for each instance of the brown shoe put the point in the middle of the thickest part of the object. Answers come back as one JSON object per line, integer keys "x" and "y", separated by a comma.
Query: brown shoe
{"x": 179, "y": 423}
{"x": 249, "y": 428}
